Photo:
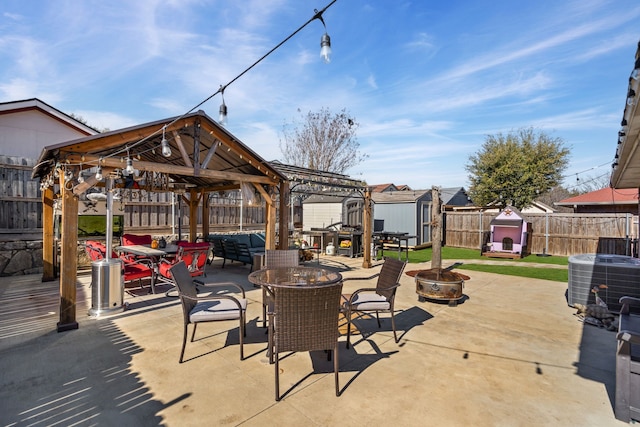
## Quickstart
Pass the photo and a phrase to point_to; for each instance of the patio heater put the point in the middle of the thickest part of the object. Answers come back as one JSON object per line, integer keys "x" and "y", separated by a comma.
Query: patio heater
{"x": 107, "y": 285}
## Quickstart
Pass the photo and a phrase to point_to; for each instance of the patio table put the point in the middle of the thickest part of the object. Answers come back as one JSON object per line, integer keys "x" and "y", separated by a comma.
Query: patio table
{"x": 276, "y": 277}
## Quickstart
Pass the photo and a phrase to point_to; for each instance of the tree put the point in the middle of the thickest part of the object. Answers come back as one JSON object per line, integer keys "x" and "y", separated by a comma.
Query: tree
{"x": 515, "y": 168}
{"x": 590, "y": 183}
{"x": 556, "y": 194}
{"x": 322, "y": 141}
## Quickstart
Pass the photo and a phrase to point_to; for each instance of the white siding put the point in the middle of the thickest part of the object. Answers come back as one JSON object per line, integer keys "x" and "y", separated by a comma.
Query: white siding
{"x": 320, "y": 215}
{"x": 26, "y": 133}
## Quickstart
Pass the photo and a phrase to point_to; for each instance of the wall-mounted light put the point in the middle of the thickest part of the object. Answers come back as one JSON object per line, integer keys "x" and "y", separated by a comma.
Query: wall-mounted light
{"x": 635, "y": 74}
{"x": 631, "y": 97}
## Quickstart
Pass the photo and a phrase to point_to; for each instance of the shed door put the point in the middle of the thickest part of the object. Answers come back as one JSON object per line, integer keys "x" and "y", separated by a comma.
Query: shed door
{"x": 425, "y": 223}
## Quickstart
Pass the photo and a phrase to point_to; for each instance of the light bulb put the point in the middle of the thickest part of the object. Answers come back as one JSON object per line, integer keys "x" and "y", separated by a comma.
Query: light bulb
{"x": 325, "y": 48}
{"x": 166, "y": 150}
{"x": 129, "y": 167}
{"x": 99, "y": 173}
{"x": 80, "y": 179}
{"x": 223, "y": 114}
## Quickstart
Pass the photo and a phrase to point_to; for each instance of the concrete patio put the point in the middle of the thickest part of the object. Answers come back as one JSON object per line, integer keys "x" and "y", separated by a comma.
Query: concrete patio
{"x": 510, "y": 354}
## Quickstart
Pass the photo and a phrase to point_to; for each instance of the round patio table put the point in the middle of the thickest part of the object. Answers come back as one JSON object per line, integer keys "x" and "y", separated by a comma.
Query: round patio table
{"x": 279, "y": 277}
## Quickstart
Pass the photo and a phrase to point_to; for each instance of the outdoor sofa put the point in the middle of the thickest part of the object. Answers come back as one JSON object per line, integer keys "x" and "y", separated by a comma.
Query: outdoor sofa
{"x": 237, "y": 247}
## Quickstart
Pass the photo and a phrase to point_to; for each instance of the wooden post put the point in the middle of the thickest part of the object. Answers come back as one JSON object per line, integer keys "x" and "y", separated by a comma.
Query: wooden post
{"x": 69, "y": 258}
{"x": 366, "y": 229}
{"x": 436, "y": 229}
{"x": 193, "y": 214}
{"x": 205, "y": 215}
{"x": 48, "y": 238}
{"x": 270, "y": 226}
{"x": 283, "y": 224}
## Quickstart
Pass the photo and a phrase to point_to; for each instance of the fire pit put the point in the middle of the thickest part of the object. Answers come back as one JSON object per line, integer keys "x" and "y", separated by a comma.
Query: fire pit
{"x": 441, "y": 285}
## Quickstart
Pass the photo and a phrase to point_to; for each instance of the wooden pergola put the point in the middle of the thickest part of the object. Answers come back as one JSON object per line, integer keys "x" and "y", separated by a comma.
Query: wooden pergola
{"x": 204, "y": 158}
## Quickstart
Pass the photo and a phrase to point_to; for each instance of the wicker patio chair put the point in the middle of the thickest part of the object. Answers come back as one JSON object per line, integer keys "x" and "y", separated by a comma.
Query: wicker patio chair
{"x": 210, "y": 308}
{"x": 276, "y": 258}
{"x": 305, "y": 319}
{"x": 380, "y": 298}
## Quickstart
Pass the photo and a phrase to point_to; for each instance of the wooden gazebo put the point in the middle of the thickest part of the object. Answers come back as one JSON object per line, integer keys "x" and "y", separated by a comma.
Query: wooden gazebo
{"x": 204, "y": 157}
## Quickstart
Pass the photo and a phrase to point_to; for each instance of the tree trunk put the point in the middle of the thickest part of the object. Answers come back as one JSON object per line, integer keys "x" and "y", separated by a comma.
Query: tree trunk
{"x": 436, "y": 229}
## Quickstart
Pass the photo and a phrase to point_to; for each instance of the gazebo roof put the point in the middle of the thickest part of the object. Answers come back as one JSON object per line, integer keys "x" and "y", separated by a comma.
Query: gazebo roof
{"x": 204, "y": 155}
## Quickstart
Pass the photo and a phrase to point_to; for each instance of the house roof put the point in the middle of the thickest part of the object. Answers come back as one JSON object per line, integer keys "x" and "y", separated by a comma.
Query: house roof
{"x": 36, "y": 104}
{"x": 626, "y": 166}
{"x": 379, "y": 188}
{"x": 605, "y": 196}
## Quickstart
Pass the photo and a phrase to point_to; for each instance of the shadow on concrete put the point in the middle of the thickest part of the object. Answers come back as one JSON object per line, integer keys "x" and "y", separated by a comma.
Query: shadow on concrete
{"x": 77, "y": 377}
{"x": 597, "y": 361}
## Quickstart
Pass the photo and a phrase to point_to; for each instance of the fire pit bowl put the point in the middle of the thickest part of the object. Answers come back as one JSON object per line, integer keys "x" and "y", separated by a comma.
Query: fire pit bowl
{"x": 440, "y": 285}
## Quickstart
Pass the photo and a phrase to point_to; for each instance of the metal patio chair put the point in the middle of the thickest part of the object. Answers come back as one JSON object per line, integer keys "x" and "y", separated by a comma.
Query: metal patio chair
{"x": 378, "y": 299}
{"x": 210, "y": 308}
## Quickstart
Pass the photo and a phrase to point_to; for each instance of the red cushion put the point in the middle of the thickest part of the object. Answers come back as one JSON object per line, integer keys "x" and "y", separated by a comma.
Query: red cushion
{"x": 136, "y": 271}
{"x": 163, "y": 269}
{"x": 134, "y": 239}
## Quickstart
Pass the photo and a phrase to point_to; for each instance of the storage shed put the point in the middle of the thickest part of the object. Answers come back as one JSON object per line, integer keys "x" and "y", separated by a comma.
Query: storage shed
{"x": 409, "y": 211}
{"x": 508, "y": 235}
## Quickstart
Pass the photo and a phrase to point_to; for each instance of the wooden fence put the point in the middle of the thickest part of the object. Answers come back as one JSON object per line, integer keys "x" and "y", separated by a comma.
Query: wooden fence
{"x": 21, "y": 207}
{"x": 554, "y": 234}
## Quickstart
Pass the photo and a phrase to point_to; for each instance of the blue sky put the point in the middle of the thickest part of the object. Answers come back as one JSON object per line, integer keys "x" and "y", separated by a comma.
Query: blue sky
{"x": 426, "y": 80}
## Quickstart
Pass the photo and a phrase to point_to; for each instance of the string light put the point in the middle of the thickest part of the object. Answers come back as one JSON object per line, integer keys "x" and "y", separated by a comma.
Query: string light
{"x": 166, "y": 150}
{"x": 223, "y": 108}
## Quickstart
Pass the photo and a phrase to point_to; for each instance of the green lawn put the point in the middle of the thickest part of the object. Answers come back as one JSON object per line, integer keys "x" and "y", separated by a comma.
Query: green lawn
{"x": 449, "y": 253}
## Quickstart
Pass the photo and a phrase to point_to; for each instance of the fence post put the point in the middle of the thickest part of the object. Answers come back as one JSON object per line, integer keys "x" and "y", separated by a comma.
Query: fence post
{"x": 546, "y": 233}
{"x": 480, "y": 231}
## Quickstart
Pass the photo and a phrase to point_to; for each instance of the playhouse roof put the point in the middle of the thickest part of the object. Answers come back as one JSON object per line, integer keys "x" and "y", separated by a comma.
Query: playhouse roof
{"x": 509, "y": 217}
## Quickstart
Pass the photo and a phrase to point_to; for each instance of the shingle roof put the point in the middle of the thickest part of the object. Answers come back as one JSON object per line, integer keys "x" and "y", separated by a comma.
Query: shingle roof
{"x": 605, "y": 196}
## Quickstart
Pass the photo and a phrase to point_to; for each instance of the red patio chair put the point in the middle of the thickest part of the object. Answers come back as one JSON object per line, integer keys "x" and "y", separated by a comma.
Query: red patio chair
{"x": 135, "y": 239}
{"x": 195, "y": 257}
{"x": 133, "y": 270}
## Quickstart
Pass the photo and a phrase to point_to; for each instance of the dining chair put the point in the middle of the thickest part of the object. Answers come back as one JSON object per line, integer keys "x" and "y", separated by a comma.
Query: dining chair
{"x": 208, "y": 308}
{"x": 305, "y": 319}
{"x": 375, "y": 299}
{"x": 194, "y": 255}
{"x": 136, "y": 239}
{"x": 276, "y": 258}
{"x": 133, "y": 270}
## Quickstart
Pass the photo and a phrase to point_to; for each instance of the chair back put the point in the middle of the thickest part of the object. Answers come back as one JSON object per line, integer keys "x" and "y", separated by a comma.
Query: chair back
{"x": 97, "y": 250}
{"x": 135, "y": 239}
{"x": 281, "y": 258}
{"x": 194, "y": 256}
{"x": 307, "y": 317}
{"x": 389, "y": 276}
{"x": 186, "y": 288}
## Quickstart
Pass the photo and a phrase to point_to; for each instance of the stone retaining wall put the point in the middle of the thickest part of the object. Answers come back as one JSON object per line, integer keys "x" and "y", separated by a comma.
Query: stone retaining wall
{"x": 20, "y": 257}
